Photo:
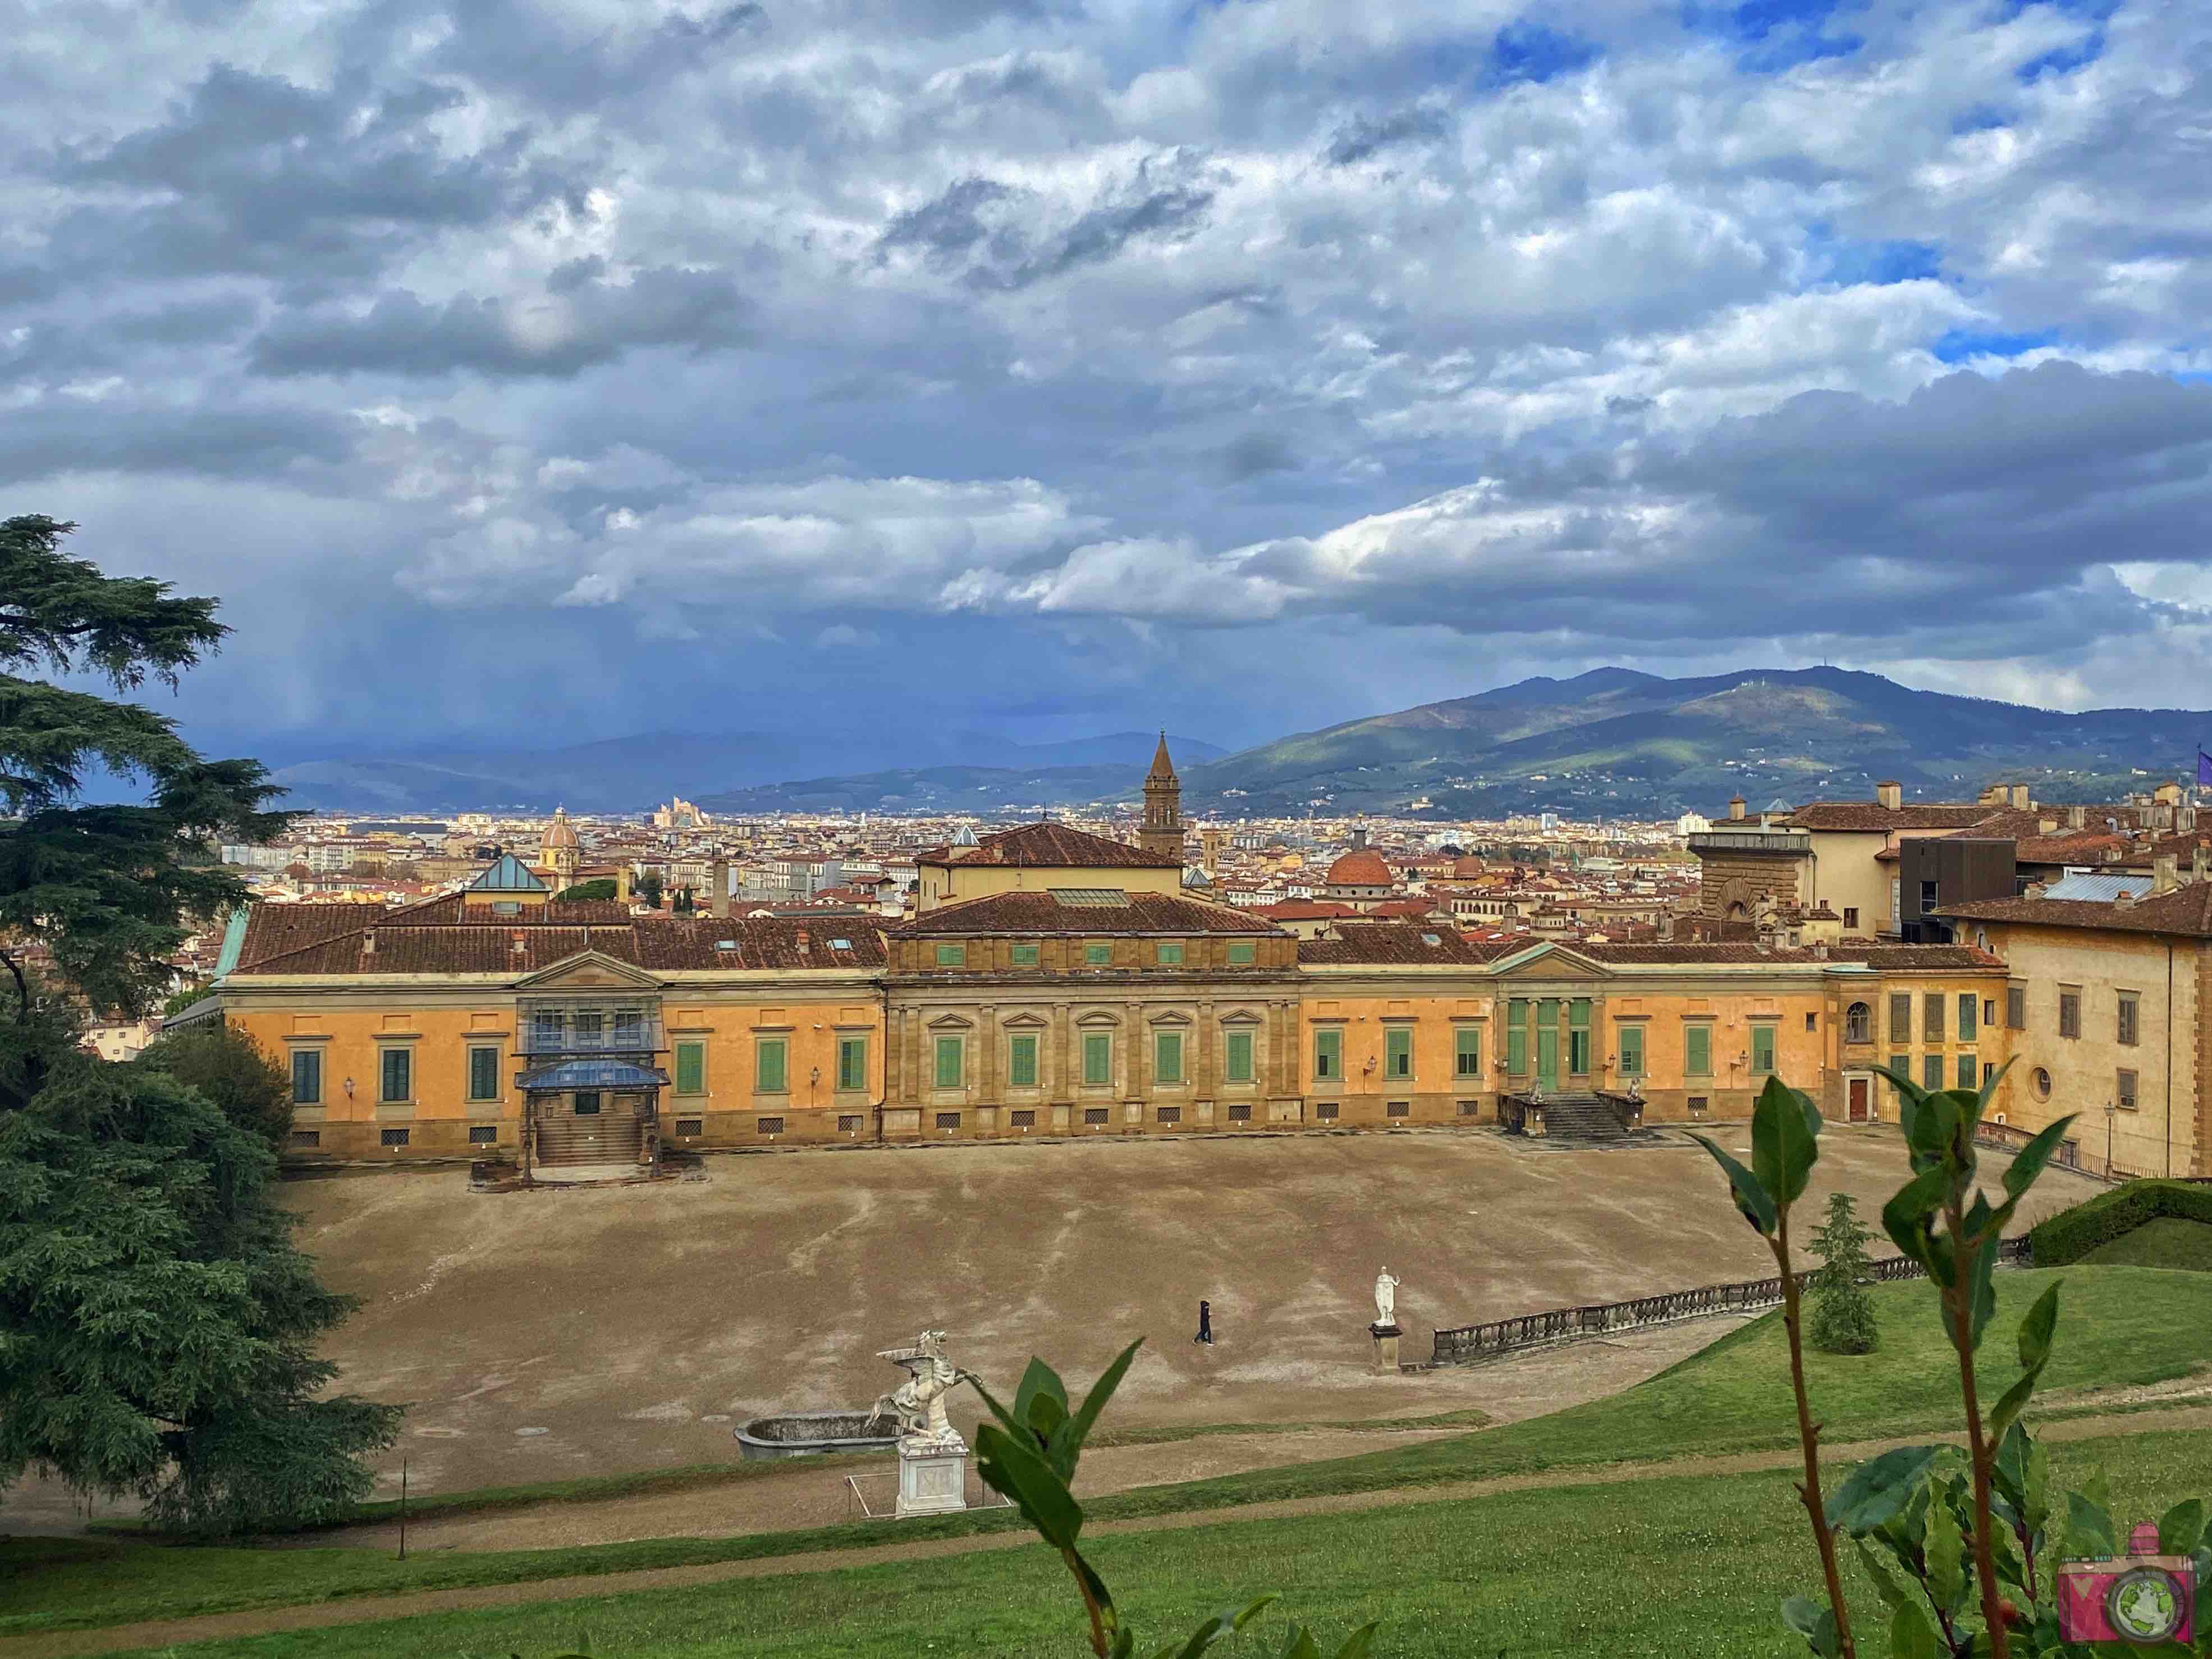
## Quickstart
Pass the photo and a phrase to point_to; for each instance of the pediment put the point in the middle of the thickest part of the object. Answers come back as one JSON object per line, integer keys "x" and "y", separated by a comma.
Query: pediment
{"x": 1242, "y": 1017}
{"x": 951, "y": 1022}
{"x": 1171, "y": 1018}
{"x": 590, "y": 970}
{"x": 1550, "y": 961}
{"x": 1024, "y": 1021}
{"x": 1096, "y": 1019}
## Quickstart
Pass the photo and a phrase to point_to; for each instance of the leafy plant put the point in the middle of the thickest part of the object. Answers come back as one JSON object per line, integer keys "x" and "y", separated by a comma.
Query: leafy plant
{"x": 1785, "y": 1129}
{"x": 1843, "y": 1312}
{"x": 1030, "y": 1454}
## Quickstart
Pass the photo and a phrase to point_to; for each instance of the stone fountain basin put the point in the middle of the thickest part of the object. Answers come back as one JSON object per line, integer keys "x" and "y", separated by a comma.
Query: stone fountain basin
{"x": 805, "y": 1434}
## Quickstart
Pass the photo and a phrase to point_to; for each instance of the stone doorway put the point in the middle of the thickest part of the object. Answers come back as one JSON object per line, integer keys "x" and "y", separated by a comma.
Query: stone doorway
{"x": 1858, "y": 1098}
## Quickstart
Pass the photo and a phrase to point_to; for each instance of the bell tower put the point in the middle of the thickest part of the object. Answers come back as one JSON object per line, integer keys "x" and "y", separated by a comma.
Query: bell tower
{"x": 1163, "y": 831}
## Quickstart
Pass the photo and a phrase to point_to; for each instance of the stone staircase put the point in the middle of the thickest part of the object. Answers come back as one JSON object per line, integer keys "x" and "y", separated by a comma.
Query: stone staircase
{"x": 609, "y": 1137}
{"x": 1583, "y": 1119}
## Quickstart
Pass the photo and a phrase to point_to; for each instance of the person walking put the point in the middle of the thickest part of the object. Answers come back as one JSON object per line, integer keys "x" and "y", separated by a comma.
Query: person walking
{"x": 1204, "y": 1324}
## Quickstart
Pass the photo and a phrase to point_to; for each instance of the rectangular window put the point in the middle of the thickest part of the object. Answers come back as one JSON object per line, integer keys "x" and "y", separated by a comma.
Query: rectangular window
{"x": 1927, "y": 902}
{"x": 1900, "y": 1016}
{"x": 770, "y": 1074}
{"x": 585, "y": 1030}
{"x": 2124, "y": 1091}
{"x": 1098, "y": 955}
{"x": 1968, "y": 1070}
{"x": 1171, "y": 1113}
{"x": 1094, "y": 1117}
{"x": 1762, "y": 1050}
{"x": 767, "y": 1126}
{"x": 952, "y": 956}
{"x": 391, "y": 1138}
{"x": 1631, "y": 1050}
{"x": 1170, "y": 955}
{"x": 1241, "y": 1112}
{"x": 1516, "y": 1036}
{"x": 306, "y": 1077}
{"x": 545, "y": 1031}
{"x": 2016, "y": 1007}
{"x": 1021, "y": 1062}
{"x": 586, "y": 1103}
{"x": 690, "y": 1068}
{"x": 1578, "y": 1036}
{"x": 1328, "y": 1053}
{"x": 1931, "y": 1018}
{"x": 1470, "y": 1108}
{"x": 2130, "y": 1019}
{"x": 1988, "y": 1014}
{"x": 1325, "y": 1111}
{"x": 691, "y": 1125}
{"x": 1931, "y": 1070}
{"x": 948, "y": 1120}
{"x": 396, "y": 1073}
{"x": 852, "y": 1062}
{"x": 1970, "y": 1006}
{"x": 1243, "y": 953}
{"x": 2070, "y": 1011}
{"x": 849, "y": 1124}
{"x": 306, "y": 1138}
{"x": 1097, "y": 1058}
{"x": 1901, "y": 1064}
{"x": 1399, "y": 1109}
{"x": 1851, "y": 919}
{"x": 1023, "y": 955}
{"x": 1238, "y": 1056}
{"x": 1398, "y": 1052}
{"x": 1812, "y": 1022}
{"x": 1698, "y": 1104}
{"x": 484, "y": 1135}
{"x": 951, "y": 1052}
{"x": 484, "y": 1074}
{"x": 1698, "y": 1050}
{"x": 1022, "y": 1117}
{"x": 629, "y": 1030}
{"x": 1467, "y": 1051}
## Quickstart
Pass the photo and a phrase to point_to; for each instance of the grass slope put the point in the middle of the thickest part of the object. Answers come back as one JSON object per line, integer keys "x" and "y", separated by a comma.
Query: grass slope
{"x": 2119, "y": 1326}
{"x": 2166, "y": 1241}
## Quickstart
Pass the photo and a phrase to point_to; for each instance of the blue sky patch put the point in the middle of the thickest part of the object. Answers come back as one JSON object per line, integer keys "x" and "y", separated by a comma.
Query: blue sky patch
{"x": 1960, "y": 344}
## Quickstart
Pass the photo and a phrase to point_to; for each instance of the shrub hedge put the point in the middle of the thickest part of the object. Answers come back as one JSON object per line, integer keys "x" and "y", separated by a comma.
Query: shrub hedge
{"x": 2071, "y": 1234}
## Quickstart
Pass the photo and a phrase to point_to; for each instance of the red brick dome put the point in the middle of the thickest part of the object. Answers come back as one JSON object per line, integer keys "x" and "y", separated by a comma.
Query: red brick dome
{"x": 1359, "y": 869}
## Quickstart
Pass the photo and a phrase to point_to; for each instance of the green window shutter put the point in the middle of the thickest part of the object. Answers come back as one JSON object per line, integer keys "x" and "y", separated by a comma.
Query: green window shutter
{"x": 484, "y": 1074}
{"x": 307, "y": 1078}
{"x": 1467, "y": 1051}
{"x": 690, "y": 1068}
{"x": 1631, "y": 1050}
{"x": 1698, "y": 1050}
{"x": 1900, "y": 1016}
{"x": 769, "y": 1074}
{"x": 1023, "y": 956}
{"x": 398, "y": 1074}
{"x": 1967, "y": 1075}
{"x": 1097, "y": 1058}
{"x": 852, "y": 1062}
{"x": 1328, "y": 1053}
{"x": 1579, "y": 1049}
{"x": 1931, "y": 1070}
{"x": 1578, "y": 1012}
{"x": 949, "y": 1055}
{"x": 1021, "y": 1062}
{"x": 1239, "y": 1056}
{"x": 1762, "y": 1050}
{"x": 1516, "y": 1036}
{"x": 1098, "y": 955}
{"x": 1167, "y": 1056}
{"x": 1547, "y": 1012}
{"x": 1398, "y": 1052}
{"x": 1969, "y": 1009}
{"x": 952, "y": 956}
{"x": 1242, "y": 953}
{"x": 1170, "y": 955}
{"x": 1901, "y": 1064}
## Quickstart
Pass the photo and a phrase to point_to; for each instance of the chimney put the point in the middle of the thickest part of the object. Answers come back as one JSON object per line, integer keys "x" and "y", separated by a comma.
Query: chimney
{"x": 1997, "y": 795}
{"x": 521, "y": 942}
{"x": 368, "y": 942}
{"x": 2046, "y": 826}
{"x": 2163, "y": 879}
{"x": 2020, "y": 797}
{"x": 2197, "y": 870}
{"x": 718, "y": 889}
{"x": 2077, "y": 818}
{"x": 804, "y": 944}
{"x": 1735, "y": 808}
{"x": 1889, "y": 793}
{"x": 2125, "y": 900}
{"x": 2035, "y": 889}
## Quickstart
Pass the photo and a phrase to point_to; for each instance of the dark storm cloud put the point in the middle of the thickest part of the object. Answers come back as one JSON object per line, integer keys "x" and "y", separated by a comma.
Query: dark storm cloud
{"x": 1363, "y": 135}
{"x": 241, "y": 443}
{"x": 578, "y": 324}
{"x": 1256, "y": 454}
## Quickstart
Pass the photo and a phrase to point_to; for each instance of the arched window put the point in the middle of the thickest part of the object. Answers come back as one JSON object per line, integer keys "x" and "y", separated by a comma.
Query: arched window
{"x": 1859, "y": 1023}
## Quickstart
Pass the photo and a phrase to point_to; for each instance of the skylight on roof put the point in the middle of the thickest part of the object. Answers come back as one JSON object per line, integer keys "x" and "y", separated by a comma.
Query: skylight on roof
{"x": 841, "y": 944}
{"x": 725, "y": 944}
{"x": 1430, "y": 938}
{"x": 1090, "y": 898}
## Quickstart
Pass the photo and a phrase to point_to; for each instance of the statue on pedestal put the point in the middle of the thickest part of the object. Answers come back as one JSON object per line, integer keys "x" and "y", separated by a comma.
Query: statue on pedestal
{"x": 918, "y": 1402}
{"x": 1386, "y": 1298}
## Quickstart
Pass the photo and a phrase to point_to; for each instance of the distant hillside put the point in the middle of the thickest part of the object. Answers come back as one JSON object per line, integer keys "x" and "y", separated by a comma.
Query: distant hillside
{"x": 1615, "y": 743}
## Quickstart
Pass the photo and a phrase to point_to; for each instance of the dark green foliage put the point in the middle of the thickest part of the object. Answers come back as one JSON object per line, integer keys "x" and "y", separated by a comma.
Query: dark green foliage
{"x": 650, "y": 887}
{"x": 2073, "y": 1233}
{"x": 1842, "y": 1320}
{"x": 233, "y": 1071}
{"x": 156, "y": 1323}
{"x": 602, "y": 888}
{"x": 681, "y": 905}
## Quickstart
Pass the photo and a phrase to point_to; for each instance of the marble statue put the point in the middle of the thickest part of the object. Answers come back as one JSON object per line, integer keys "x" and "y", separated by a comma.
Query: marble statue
{"x": 918, "y": 1402}
{"x": 1386, "y": 1298}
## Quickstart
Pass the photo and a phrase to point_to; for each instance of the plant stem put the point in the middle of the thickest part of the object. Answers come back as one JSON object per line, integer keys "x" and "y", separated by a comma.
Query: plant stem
{"x": 1808, "y": 1436}
{"x": 1966, "y": 1256}
{"x": 1091, "y": 1607}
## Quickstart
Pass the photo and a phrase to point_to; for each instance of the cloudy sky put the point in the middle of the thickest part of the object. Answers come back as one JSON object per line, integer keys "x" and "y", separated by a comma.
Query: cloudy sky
{"x": 552, "y": 369}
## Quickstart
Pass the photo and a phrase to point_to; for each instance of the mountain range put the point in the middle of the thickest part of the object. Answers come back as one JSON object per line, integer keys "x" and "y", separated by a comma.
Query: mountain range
{"x": 1612, "y": 743}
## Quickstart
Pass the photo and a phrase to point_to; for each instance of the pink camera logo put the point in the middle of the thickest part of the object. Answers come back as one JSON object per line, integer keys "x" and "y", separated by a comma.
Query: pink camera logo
{"x": 2141, "y": 1596}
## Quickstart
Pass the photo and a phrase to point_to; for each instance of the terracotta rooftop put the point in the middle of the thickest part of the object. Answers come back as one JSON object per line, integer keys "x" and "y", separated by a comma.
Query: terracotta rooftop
{"x": 1363, "y": 942}
{"x": 1870, "y": 815}
{"x": 1048, "y": 913}
{"x": 1360, "y": 868}
{"x": 1051, "y": 846}
{"x": 2186, "y": 911}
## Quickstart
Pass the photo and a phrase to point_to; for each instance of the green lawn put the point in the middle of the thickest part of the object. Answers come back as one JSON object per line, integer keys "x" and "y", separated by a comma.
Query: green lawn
{"x": 2165, "y": 1241}
{"x": 2118, "y": 1327}
{"x": 1678, "y": 1565}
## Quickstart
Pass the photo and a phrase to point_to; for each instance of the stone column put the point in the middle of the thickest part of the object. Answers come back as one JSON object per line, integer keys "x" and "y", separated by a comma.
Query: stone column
{"x": 987, "y": 1063}
{"x": 1061, "y": 1089}
{"x": 1206, "y": 1072}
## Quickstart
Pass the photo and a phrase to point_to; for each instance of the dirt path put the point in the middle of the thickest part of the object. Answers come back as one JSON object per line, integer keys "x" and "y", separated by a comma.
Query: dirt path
{"x": 76, "y": 1645}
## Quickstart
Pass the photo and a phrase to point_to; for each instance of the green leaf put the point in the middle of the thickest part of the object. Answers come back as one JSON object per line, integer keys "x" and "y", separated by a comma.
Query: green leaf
{"x": 1785, "y": 1125}
{"x": 1356, "y": 1644}
{"x": 1227, "y": 1622}
{"x": 1982, "y": 1268}
{"x": 1914, "y": 1634}
{"x": 1299, "y": 1644}
{"x": 1946, "y": 1555}
{"x": 1908, "y": 1216}
{"x": 1010, "y": 1467}
{"x": 2088, "y": 1528}
{"x": 1101, "y": 1392}
{"x": 2029, "y": 1161}
{"x": 2181, "y": 1527}
{"x": 1090, "y": 1580}
{"x": 1039, "y": 1383}
{"x": 1880, "y": 1488}
{"x": 1752, "y": 1201}
{"x": 1815, "y": 1623}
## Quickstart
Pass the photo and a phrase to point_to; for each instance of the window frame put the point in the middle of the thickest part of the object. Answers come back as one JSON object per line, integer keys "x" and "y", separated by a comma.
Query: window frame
{"x": 952, "y": 956}
{"x": 1243, "y": 953}
{"x": 314, "y": 1057}
{"x": 1969, "y": 1010}
{"x": 694, "y": 1050}
{"x": 1398, "y": 1052}
{"x": 957, "y": 1048}
{"x": 853, "y": 1044}
{"x": 1858, "y": 1022}
{"x": 1772, "y": 1033}
{"x": 1697, "y": 1034}
{"x": 1021, "y": 1057}
{"x": 1167, "y": 1045}
{"x": 403, "y": 1054}
{"x": 1098, "y": 955}
{"x": 1100, "y": 1044}
{"x": 2070, "y": 1012}
{"x": 1231, "y": 1071}
{"x": 2127, "y": 1019}
{"x": 1931, "y": 1070}
{"x": 1167, "y": 953}
{"x": 2127, "y": 1089}
{"x": 479, "y": 1053}
{"x": 1900, "y": 1031}
{"x": 1328, "y": 1054}
{"x": 1467, "y": 1051}
{"x": 2015, "y": 1007}
{"x": 762, "y": 1048}
{"x": 1968, "y": 1071}
{"x": 1023, "y": 956}
{"x": 1628, "y": 1038}
{"x": 1935, "y": 1017}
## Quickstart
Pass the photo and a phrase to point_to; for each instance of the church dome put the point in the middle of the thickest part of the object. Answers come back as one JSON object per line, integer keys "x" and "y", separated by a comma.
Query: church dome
{"x": 561, "y": 833}
{"x": 1360, "y": 868}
